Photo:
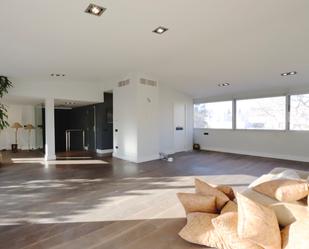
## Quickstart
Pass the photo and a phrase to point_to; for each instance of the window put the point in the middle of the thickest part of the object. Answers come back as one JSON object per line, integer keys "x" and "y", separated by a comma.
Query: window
{"x": 216, "y": 115}
{"x": 261, "y": 113}
{"x": 299, "y": 112}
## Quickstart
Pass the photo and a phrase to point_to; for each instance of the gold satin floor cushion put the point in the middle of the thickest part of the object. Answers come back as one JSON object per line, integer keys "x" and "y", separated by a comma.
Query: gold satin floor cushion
{"x": 215, "y": 218}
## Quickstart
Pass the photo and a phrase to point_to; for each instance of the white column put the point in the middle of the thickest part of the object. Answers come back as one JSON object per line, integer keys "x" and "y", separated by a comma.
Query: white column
{"x": 49, "y": 129}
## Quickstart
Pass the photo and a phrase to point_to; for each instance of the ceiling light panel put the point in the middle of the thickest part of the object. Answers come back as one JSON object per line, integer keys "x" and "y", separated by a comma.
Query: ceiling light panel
{"x": 289, "y": 73}
{"x": 160, "y": 30}
{"x": 224, "y": 84}
{"x": 57, "y": 75}
{"x": 95, "y": 10}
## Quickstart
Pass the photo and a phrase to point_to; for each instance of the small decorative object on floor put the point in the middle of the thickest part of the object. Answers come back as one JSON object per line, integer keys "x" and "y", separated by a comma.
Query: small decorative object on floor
{"x": 196, "y": 147}
{"x": 29, "y": 127}
{"x": 166, "y": 157}
{"x": 15, "y": 126}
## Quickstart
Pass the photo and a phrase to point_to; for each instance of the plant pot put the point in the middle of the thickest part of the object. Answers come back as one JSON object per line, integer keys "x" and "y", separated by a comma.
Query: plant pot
{"x": 14, "y": 148}
{"x": 196, "y": 147}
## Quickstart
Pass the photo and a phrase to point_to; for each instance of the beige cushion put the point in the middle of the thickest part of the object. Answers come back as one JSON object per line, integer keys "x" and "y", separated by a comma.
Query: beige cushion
{"x": 197, "y": 203}
{"x": 202, "y": 187}
{"x": 258, "y": 223}
{"x": 287, "y": 174}
{"x": 199, "y": 230}
{"x": 286, "y": 212}
{"x": 295, "y": 236}
{"x": 278, "y": 173}
{"x": 230, "y": 206}
{"x": 226, "y": 226}
{"x": 302, "y": 174}
{"x": 227, "y": 190}
{"x": 284, "y": 189}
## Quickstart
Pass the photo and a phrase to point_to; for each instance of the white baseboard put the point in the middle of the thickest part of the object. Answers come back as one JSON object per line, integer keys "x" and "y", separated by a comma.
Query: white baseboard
{"x": 168, "y": 152}
{"x": 126, "y": 158}
{"x": 259, "y": 154}
{"x": 104, "y": 151}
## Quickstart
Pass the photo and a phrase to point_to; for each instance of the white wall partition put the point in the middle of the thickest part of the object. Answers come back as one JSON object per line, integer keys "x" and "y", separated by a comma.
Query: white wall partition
{"x": 50, "y": 129}
{"x": 144, "y": 120}
{"x": 125, "y": 122}
{"x": 136, "y": 124}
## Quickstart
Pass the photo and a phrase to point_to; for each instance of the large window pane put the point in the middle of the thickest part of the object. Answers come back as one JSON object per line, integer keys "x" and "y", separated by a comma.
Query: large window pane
{"x": 217, "y": 115}
{"x": 262, "y": 113}
{"x": 299, "y": 119}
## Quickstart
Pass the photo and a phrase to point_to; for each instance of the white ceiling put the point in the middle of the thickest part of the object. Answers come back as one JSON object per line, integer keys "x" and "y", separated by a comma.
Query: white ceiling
{"x": 245, "y": 42}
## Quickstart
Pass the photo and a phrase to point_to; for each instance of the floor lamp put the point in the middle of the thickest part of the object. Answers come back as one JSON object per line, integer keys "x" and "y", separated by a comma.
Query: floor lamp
{"x": 29, "y": 127}
{"x": 15, "y": 126}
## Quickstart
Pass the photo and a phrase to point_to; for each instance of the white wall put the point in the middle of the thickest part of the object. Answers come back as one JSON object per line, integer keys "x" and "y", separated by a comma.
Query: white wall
{"x": 167, "y": 98}
{"x": 288, "y": 145}
{"x": 144, "y": 117}
{"x": 148, "y": 123}
{"x": 125, "y": 121}
{"x": 136, "y": 119}
{"x": 24, "y": 114}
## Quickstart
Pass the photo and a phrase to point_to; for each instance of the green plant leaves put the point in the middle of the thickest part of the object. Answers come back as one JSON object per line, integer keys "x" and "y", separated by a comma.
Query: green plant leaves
{"x": 5, "y": 84}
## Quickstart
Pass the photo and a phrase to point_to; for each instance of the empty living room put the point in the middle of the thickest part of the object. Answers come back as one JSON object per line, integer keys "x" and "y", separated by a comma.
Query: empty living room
{"x": 138, "y": 124}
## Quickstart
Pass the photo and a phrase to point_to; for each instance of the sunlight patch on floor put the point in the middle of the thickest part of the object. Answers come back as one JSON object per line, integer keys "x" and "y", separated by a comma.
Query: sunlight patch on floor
{"x": 135, "y": 198}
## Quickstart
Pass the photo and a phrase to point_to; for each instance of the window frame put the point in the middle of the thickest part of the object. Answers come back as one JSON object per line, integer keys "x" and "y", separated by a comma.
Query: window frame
{"x": 211, "y": 102}
{"x": 234, "y": 113}
{"x": 287, "y": 114}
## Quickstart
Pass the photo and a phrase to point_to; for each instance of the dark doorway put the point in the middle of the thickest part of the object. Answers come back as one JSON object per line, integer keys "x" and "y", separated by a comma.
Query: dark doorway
{"x": 92, "y": 126}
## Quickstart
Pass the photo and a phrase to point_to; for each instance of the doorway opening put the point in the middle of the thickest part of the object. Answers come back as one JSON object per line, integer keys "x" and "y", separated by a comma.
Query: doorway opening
{"x": 84, "y": 127}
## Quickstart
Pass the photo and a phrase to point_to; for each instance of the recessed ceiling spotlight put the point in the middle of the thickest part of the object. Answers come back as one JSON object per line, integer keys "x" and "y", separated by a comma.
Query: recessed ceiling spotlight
{"x": 57, "y": 75}
{"x": 70, "y": 103}
{"x": 160, "y": 30}
{"x": 95, "y": 10}
{"x": 224, "y": 84}
{"x": 289, "y": 73}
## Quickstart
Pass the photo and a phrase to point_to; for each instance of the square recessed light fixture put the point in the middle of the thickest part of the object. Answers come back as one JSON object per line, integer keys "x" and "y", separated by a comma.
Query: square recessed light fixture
{"x": 95, "y": 10}
{"x": 160, "y": 30}
{"x": 289, "y": 73}
{"x": 224, "y": 84}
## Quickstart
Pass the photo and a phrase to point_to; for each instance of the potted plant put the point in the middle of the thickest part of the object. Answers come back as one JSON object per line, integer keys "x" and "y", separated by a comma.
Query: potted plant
{"x": 5, "y": 84}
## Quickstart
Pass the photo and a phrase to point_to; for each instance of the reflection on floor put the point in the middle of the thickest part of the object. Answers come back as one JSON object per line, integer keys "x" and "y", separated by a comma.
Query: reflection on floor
{"x": 112, "y": 204}
{"x": 63, "y": 158}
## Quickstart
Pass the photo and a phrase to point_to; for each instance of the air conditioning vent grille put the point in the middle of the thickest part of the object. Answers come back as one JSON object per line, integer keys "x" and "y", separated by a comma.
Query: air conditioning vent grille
{"x": 123, "y": 83}
{"x": 148, "y": 82}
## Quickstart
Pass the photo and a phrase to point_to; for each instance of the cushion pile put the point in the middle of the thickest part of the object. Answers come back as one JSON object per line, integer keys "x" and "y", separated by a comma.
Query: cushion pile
{"x": 214, "y": 219}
